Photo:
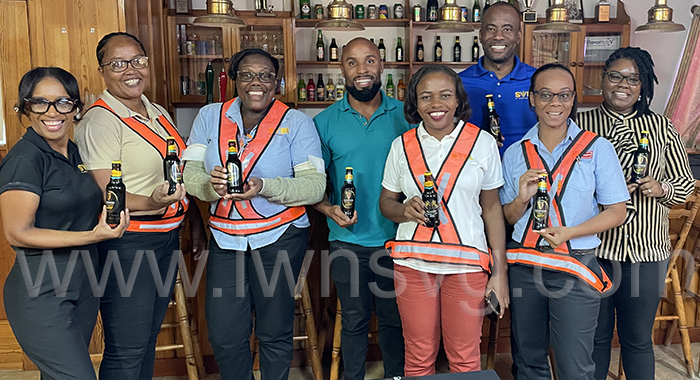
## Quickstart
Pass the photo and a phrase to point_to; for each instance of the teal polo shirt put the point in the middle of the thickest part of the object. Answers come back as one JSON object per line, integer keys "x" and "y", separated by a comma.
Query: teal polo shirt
{"x": 349, "y": 139}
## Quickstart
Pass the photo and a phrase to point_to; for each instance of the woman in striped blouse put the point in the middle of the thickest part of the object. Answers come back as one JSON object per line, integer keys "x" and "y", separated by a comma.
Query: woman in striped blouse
{"x": 640, "y": 248}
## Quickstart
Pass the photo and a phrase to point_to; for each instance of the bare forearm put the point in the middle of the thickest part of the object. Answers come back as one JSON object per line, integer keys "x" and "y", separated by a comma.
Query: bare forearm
{"x": 494, "y": 225}
{"x": 611, "y": 217}
{"x": 393, "y": 210}
{"x": 41, "y": 238}
{"x": 135, "y": 202}
{"x": 515, "y": 210}
{"x": 324, "y": 206}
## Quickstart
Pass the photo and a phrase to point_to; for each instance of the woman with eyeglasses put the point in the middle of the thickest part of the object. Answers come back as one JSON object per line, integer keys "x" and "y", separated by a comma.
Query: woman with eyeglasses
{"x": 260, "y": 233}
{"x": 555, "y": 279}
{"x": 638, "y": 250}
{"x": 51, "y": 217}
{"x": 123, "y": 125}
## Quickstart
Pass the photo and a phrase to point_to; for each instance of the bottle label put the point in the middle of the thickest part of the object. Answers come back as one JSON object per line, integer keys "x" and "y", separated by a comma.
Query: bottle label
{"x": 420, "y": 54}
{"x": 540, "y": 212}
{"x": 111, "y": 200}
{"x": 347, "y": 201}
{"x": 233, "y": 175}
{"x": 401, "y": 93}
{"x": 399, "y": 55}
{"x": 495, "y": 127}
{"x": 319, "y": 53}
{"x": 432, "y": 16}
{"x": 640, "y": 165}
{"x": 382, "y": 54}
{"x": 305, "y": 9}
{"x": 477, "y": 15}
{"x": 174, "y": 173}
{"x": 339, "y": 94}
{"x": 334, "y": 54}
{"x": 320, "y": 94}
{"x": 302, "y": 94}
{"x": 438, "y": 52}
{"x": 390, "y": 92}
{"x": 431, "y": 209}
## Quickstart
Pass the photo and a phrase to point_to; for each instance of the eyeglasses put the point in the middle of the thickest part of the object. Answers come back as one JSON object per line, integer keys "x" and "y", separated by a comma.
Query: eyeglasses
{"x": 547, "y": 96}
{"x": 41, "y": 106}
{"x": 247, "y": 76}
{"x": 615, "y": 77}
{"x": 120, "y": 66}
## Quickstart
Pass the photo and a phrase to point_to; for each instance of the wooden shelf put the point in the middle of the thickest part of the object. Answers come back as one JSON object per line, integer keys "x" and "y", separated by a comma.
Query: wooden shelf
{"x": 367, "y": 23}
{"x": 337, "y": 64}
{"x": 199, "y": 56}
{"x": 452, "y": 64}
{"x": 315, "y": 104}
{"x": 475, "y": 25}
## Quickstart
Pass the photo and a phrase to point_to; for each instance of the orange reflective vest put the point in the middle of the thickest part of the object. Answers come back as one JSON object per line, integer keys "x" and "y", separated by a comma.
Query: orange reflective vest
{"x": 560, "y": 259}
{"x": 250, "y": 221}
{"x": 449, "y": 247}
{"x": 175, "y": 213}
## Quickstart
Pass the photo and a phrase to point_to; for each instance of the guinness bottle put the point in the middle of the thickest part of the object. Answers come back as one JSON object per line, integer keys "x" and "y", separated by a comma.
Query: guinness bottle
{"x": 420, "y": 51}
{"x": 347, "y": 194}
{"x": 115, "y": 195}
{"x": 437, "y": 51}
{"x": 540, "y": 207}
{"x": 382, "y": 50}
{"x": 171, "y": 166}
{"x": 641, "y": 159}
{"x": 333, "y": 51}
{"x": 430, "y": 199}
{"x": 494, "y": 121}
{"x": 234, "y": 178}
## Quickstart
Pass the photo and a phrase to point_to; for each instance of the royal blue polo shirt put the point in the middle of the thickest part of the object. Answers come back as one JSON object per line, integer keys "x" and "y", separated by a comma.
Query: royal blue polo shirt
{"x": 510, "y": 96}
{"x": 349, "y": 139}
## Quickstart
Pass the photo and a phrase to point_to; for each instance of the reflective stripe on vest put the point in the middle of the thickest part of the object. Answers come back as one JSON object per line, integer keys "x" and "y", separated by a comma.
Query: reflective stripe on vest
{"x": 561, "y": 259}
{"x": 449, "y": 248}
{"x": 252, "y": 222}
{"x": 175, "y": 213}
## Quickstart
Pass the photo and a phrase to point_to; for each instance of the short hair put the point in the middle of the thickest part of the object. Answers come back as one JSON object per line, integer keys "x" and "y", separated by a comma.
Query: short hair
{"x": 102, "y": 45}
{"x": 498, "y": 5}
{"x": 238, "y": 57}
{"x": 34, "y": 76}
{"x": 410, "y": 107}
{"x": 645, "y": 65}
{"x": 555, "y": 66}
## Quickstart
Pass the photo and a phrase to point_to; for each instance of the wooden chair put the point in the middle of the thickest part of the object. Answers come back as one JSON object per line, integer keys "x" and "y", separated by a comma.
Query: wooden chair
{"x": 683, "y": 215}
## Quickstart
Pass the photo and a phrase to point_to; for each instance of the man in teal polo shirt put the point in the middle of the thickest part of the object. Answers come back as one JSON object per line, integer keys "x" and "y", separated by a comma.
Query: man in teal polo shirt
{"x": 500, "y": 73}
{"x": 357, "y": 132}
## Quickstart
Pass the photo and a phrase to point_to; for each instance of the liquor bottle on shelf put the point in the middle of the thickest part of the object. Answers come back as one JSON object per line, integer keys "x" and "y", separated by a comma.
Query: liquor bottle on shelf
{"x": 333, "y": 51}
{"x": 223, "y": 81}
{"x": 301, "y": 86}
{"x": 320, "y": 89}
{"x": 372, "y": 41}
{"x": 641, "y": 159}
{"x": 401, "y": 89}
{"x": 437, "y": 52}
{"x": 602, "y": 11}
{"x": 382, "y": 50}
{"x": 487, "y": 4}
{"x": 475, "y": 50}
{"x": 340, "y": 88}
{"x": 330, "y": 90}
{"x": 389, "y": 87}
{"x": 311, "y": 89}
{"x": 476, "y": 12}
{"x": 457, "y": 51}
{"x": 305, "y": 6}
{"x": 432, "y": 11}
{"x": 430, "y": 201}
{"x": 540, "y": 209}
{"x": 209, "y": 73}
{"x": 281, "y": 87}
{"x": 420, "y": 50}
{"x": 320, "y": 47}
{"x": 399, "y": 51}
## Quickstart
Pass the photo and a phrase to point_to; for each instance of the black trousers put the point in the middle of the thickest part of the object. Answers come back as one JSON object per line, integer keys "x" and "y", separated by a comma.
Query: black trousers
{"x": 54, "y": 331}
{"x": 236, "y": 288}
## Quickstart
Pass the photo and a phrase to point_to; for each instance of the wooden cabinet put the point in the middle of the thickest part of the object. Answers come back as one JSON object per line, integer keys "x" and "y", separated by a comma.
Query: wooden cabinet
{"x": 583, "y": 52}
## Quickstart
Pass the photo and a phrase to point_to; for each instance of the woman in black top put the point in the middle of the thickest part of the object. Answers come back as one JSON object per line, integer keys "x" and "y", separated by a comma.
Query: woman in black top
{"x": 51, "y": 216}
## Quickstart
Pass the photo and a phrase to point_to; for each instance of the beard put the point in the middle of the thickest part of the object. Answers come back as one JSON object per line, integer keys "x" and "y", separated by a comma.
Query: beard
{"x": 505, "y": 58}
{"x": 366, "y": 94}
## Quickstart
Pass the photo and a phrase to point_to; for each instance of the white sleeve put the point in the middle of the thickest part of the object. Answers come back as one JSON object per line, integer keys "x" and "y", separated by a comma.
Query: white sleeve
{"x": 493, "y": 177}
{"x": 392, "y": 169}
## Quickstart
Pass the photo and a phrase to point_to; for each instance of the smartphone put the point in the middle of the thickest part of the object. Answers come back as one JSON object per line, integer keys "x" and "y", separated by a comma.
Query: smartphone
{"x": 493, "y": 308}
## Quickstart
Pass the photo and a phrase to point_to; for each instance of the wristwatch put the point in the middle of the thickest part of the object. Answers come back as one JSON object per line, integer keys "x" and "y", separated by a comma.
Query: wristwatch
{"x": 665, "y": 188}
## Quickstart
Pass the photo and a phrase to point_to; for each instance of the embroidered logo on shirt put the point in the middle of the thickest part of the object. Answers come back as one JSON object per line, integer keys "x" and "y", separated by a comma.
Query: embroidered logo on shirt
{"x": 82, "y": 169}
{"x": 587, "y": 156}
{"x": 283, "y": 130}
{"x": 521, "y": 95}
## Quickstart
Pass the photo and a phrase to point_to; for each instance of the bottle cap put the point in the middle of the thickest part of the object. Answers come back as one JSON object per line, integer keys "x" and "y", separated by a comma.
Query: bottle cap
{"x": 647, "y": 132}
{"x": 116, "y": 162}
{"x": 348, "y": 168}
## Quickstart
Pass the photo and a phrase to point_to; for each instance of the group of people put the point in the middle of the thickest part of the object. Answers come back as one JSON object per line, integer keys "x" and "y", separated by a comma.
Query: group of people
{"x": 425, "y": 284}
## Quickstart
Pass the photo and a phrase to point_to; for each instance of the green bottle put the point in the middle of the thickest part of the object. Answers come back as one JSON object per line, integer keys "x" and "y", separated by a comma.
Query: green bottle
{"x": 476, "y": 12}
{"x": 320, "y": 47}
{"x": 302, "y": 89}
{"x": 389, "y": 87}
{"x": 305, "y": 6}
{"x": 209, "y": 73}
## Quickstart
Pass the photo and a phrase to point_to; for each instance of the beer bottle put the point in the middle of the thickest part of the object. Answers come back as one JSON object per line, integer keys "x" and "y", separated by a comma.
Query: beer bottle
{"x": 430, "y": 200}
{"x": 330, "y": 89}
{"x": 389, "y": 87}
{"x": 311, "y": 89}
{"x": 382, "y": 49}
{"x": 433, "y": 11}
{"x": 347, "y": 194}
{"x": 494, "y": 121}
{"x": 399, "y": 51}
{"x": 438, "y": 50}
{"x": 420, "y": 51}
{"x": 340, "y": 88}
{"x": 487, "y": 4}
{"x": 476, "y": 12}
{"x": 302, "y": 88}
{"x": 401, "y": 89}
{"x": 115, "y": 195}
{"x": 333, "y": 56}
{"x": 457, "y": 51}
{"x": 320, "y": 89}
{"x": 641, "y": 159}
{"x": 540, "y": 209}
{"x": 209, "y": 73}
{"x": 475, "y": 50}
{"x": 320, "y": 47}
{"x": 171, "y": 166}
{"x": 234, "y": 180}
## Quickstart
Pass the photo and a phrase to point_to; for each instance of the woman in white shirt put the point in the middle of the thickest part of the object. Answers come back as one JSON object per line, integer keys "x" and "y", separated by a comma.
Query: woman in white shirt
{"x": 442, "y": 273}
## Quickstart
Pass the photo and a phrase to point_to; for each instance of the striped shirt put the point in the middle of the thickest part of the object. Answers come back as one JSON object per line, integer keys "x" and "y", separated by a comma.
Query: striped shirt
{"x": 644, "y": 236}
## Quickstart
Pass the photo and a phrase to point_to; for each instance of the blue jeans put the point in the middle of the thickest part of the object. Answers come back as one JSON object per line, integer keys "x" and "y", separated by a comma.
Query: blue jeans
{"x": 132, "y": 321}
{"x": 357, "y": 302}
{"x": 235, "y": 289}
{"x": 635, "y": 299}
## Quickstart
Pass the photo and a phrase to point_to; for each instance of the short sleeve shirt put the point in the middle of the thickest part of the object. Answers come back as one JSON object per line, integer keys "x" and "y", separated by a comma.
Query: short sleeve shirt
{"x": 69, "y": 198}
{"x": 348, "y": 139}
{"x": 510, "y": 96}
{"x": 596, "y": 178}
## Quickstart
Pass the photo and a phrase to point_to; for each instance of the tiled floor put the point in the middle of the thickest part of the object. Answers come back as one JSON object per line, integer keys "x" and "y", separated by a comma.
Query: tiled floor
{"x": 669, "y": 366}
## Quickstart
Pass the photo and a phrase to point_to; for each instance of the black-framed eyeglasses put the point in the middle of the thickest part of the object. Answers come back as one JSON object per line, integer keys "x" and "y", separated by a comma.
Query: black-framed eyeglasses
{"x": 248, "y": 76}
{"x": 547, "y": 96}
{"x": 41, "y": 106}
{"x": 120, "y": 66}
{"x": 615, "y": 77}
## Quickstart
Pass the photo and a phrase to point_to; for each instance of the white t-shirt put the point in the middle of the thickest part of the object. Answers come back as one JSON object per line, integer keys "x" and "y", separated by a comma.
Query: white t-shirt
{"x": 481, "y": 172}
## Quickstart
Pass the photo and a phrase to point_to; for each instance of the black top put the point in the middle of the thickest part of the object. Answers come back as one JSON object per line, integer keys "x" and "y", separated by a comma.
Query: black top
{"x": 70, "y": 199}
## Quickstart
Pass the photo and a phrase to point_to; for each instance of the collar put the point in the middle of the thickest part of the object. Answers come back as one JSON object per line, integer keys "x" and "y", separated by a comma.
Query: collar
{"x": 615, "y": 115}
{"x": 385, "y": 105}
{"x": 519, "y": 71}
{"x": 124, "y": 112}
{"x": 533, "y": 134}
{"x": 41, "y": 143}
{"x": 423, "y": 133}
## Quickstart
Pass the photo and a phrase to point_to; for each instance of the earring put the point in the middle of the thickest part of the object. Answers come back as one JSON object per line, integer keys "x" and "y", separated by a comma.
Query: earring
{"x": 639, "y": 98}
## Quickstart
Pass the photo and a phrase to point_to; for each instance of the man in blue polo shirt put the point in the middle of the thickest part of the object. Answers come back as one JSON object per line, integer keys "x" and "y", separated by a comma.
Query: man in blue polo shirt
{"x": 357, "y": 132}
{"x": 500, "y": 73}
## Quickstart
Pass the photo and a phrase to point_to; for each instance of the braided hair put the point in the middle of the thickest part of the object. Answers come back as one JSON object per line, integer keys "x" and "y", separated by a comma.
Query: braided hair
{"x": 645, "y": 65}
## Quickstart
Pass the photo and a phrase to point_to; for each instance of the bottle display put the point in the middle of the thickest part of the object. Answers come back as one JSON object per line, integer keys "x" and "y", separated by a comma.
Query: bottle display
{"x": 311, "y": 89}
{"x": 457, "y": 51}
{"x": 540, "y": 206}
{"x": 420, "y": 50}
{"x": 401, "y": 89}
{"x": 347, "y": 194}
{"x": 115, "y": 195}
{"x": 437, "y": 52}
{"x": 171, "y": 166}
{"x": 399, "y": 51}
{"x": 640, "y": 164}
{"x": 320, "y": 47}
{"x": 389, "y": 87}
{"x": 234, "y": 173}
{"x": 334, "y": 54}
{"x": 430, "y": 201}
{"x": 320, "y": 89}
{"x": 494, "y": 121}
{"x": 382, "y": 50}
{"x": 475, "y": 50}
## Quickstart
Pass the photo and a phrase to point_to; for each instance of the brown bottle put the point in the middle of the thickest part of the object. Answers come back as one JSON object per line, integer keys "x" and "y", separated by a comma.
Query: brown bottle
{"x": 171, "y": 167}
{"x": 234, "y": 174}
{"x": 430, "y": 200}
{"x": 115, "y": 195}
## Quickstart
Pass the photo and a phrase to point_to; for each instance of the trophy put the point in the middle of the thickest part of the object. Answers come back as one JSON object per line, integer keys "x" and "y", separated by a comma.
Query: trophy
{"x": 529, "y": 15}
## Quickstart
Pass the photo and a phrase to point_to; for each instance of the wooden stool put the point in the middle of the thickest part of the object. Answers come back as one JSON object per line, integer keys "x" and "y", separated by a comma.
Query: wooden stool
{"x": 188, "y": 331}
